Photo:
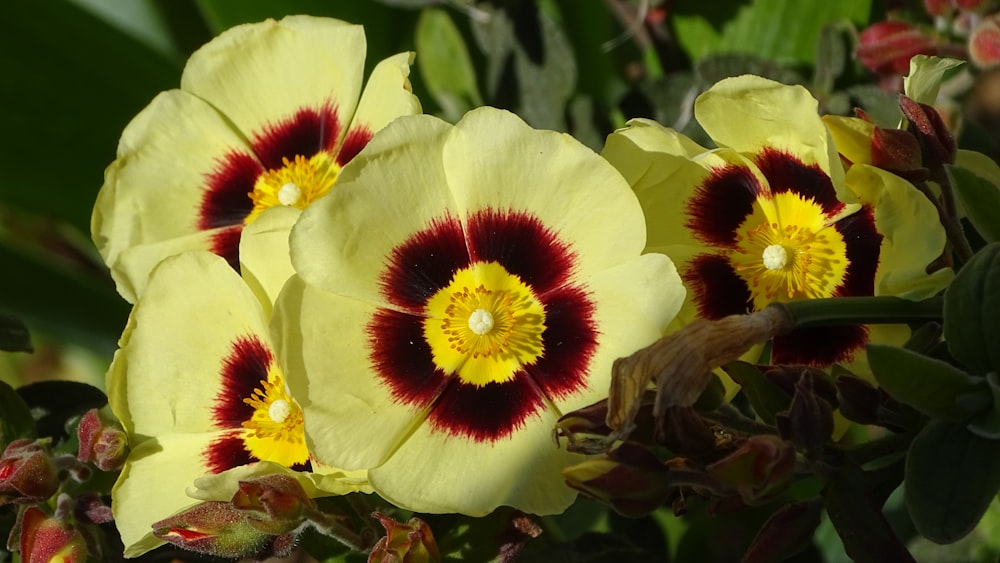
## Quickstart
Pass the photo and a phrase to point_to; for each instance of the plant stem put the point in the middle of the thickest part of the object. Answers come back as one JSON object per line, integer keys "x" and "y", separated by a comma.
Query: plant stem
{"x": 863, "y": 310}
{"x": 948, "y": 215}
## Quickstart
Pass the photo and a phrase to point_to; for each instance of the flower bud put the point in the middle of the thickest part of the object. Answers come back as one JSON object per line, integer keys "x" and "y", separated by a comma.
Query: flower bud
{"x": 45, "y": 539}
{"x": 278, "y": 502}
{"x": 102, "y": 442}
{"x": 222, "y": 530}
{"x": 629, "y": 478}
{"x": 412, "y": 542}
{"x": 972, "y": 5}
{"x": 887, "y": 47}
{"x": 984, "y": 43}
{"x": 936, "y": 141}
{"x": 810, "y": 419}
{"x": 937, "y": 8}
{"x": 761, "y": 467}
{"x": 27, "y": 474}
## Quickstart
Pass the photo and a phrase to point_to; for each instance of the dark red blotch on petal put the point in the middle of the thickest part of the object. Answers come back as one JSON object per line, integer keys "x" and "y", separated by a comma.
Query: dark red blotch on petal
{"x": 226, "y": 243}
{"x": 227, "y": 201}
{"x": 424, "y": 264}
{"x": 486, "y": 413}
{"x": 402, "y": 358}
{"x": 243, "y": 369}
{"x": 523, "y": 246}
{"x": 355, "y": 140}
{"x": 305, "y": 133}
{"x": 864, "y": 244}
{"x": 786, "y": 173}
{"x": 718, "y": 290}
{"x": 227, "y": 452}
{"x": 819, "y": 346}
{"x": 569, "y": 342}
{"x": 721, "y": 204}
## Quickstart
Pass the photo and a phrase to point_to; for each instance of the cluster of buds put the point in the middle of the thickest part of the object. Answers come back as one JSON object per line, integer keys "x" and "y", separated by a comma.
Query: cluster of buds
{"x": 961, "y": 29}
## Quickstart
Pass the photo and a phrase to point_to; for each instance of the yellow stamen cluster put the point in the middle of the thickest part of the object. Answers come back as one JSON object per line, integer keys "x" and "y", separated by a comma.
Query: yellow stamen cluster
{"x": 298, "y": 183}
{"x": 485, "y": 325}
{"x": 787, "y": 249}
{"x": 275, "y": 430}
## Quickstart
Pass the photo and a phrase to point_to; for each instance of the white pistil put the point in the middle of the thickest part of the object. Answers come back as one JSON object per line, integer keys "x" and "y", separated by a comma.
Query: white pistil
{"x": 279, "y": 410}
{"x": 480, "y": 321}
{"x": 289, "y": 194}
{"x": 775, "y": 257}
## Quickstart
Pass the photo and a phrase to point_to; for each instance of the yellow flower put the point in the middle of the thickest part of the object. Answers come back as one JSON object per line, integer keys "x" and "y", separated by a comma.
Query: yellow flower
{"x": 266, "y": 115}
{"x": 463, "y": 288}
{"x": 199, "y": 390}
{"x": 771, "y": 215}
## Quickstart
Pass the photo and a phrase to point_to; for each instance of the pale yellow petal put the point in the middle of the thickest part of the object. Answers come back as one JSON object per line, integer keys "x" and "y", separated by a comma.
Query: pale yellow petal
{"x": 387, "y": 95}
{"x": 265, "y": 260}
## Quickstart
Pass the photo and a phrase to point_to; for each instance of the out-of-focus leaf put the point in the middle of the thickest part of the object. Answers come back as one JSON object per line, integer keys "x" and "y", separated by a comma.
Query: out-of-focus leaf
{"x": 987, "y": 424}
{"x": 56, "y": 401}
{"x": 58, "y": 301}
{"x": 782, "y": 30}
{"x": 929, "y": 385}
{"x": 445, "y": 64}
{"x": 142, "y": 19}
{"x": 14, "y": 335}
{"x": 981, "y": 200}
{"x": 766, "y": 397}
{"x": 972, "y": 312}
{"x": 788, "y": 531}
{"x": 831, "y": 56}
{"x": 714, "y": 68}
{"x": 881, "y": 106}
{"x": 952, "y": 476}
{"x": 76, "y": 81}
{"x": 15, "y": 417}
{"x": 859, "y": 521}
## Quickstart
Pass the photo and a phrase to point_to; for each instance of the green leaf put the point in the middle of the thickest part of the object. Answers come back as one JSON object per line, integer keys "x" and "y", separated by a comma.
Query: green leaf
{"x": 15, "y": 417}
{"x": 859, "y": 521}
{"x": 952, "y": 476}
{"x": 972, "y": 312}
{"x": 781, "y": 30}
{"x": 987, "y": 424}
{"x": 929, "y": 385}
{"x": 14, "y": 335}
{"x": 981, "y": 200}
{"x": 445, "y": 65}
{"x": 766, "y": 397}
{"x": 921, "y": 84}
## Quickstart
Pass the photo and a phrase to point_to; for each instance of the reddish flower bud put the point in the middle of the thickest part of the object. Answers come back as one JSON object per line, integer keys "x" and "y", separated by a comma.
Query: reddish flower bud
{"x": 936, "y": 141}
{"x": 895, "y": 150}
{"x": 102, "y": 442}
{"x": 984, "y": 43}
{"x": 412, "y": 542}
{"x": 278, "y": 502}
{"x": 629, "y": 478}
{"x": 220, "y": 529}
{"x": 886, "y": 47}
{"x": 760, "y": 468}
{"x": 49, "y": 540}
{"x": 938, "y": 7}
{"x": 27, "y": 474}
{"x": 973, "y": 5}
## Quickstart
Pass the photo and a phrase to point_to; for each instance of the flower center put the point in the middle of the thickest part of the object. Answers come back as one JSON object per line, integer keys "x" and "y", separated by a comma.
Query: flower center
{"x": 274, "y": 431}
{"x": 298, "y": 183}
{"x": 788, "y": 249}
{"x": 485, "y": 325}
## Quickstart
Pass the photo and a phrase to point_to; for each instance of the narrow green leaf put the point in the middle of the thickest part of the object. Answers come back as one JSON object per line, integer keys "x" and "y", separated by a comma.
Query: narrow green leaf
{"x": 929, "y": 385}
{"x": 972, "y": 312}
{"x": 766, "y": 397}
{"x": 981, "y": 200}
{"x": 445, "y": 65}
{"x": 15, "y": 417}
{"x": 952, "y": 476}
{"x": 14, "y": 335}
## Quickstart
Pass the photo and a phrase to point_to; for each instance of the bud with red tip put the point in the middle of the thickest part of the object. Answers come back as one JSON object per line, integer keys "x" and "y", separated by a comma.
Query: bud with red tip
{"x": 221, "y": 529}
{"x": 276, "y": 503}
{"x": 629, "y": 478}
{"x": 984, "y": 43}
{"x": 760, "y": 468}
{"x": 412, "y": 542}
{"x": 936, "y": 141}
{"x": 102, "y": 441}
{"x": 887, "y": 47}
{"x": 45, "y": 539}
{"x": 27, "y": 473}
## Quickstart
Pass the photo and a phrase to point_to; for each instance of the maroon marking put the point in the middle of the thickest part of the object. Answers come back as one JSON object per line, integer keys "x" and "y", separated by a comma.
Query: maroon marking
{"x": 718, "y": 290}
{"x": 226, "y": 243}
{"x": 402, "y": 358}
{"x": 864, "y": 245}
{"x": 523, "y": 246}
{"x": 243, "y": 370}
{"x": 819, "y": 346}
{"x": 424, "y": 264}
{"x": 487, "y": 413}
{"x": 226, "y": 200}
{"x": 226, "y": 452}
{"x": 786, "y": 173}
{"x": 721, "y": 204}
{"x": 568, "y": 343}
{"x": 355, "y": 140}
{"x": 305, "y": 133}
